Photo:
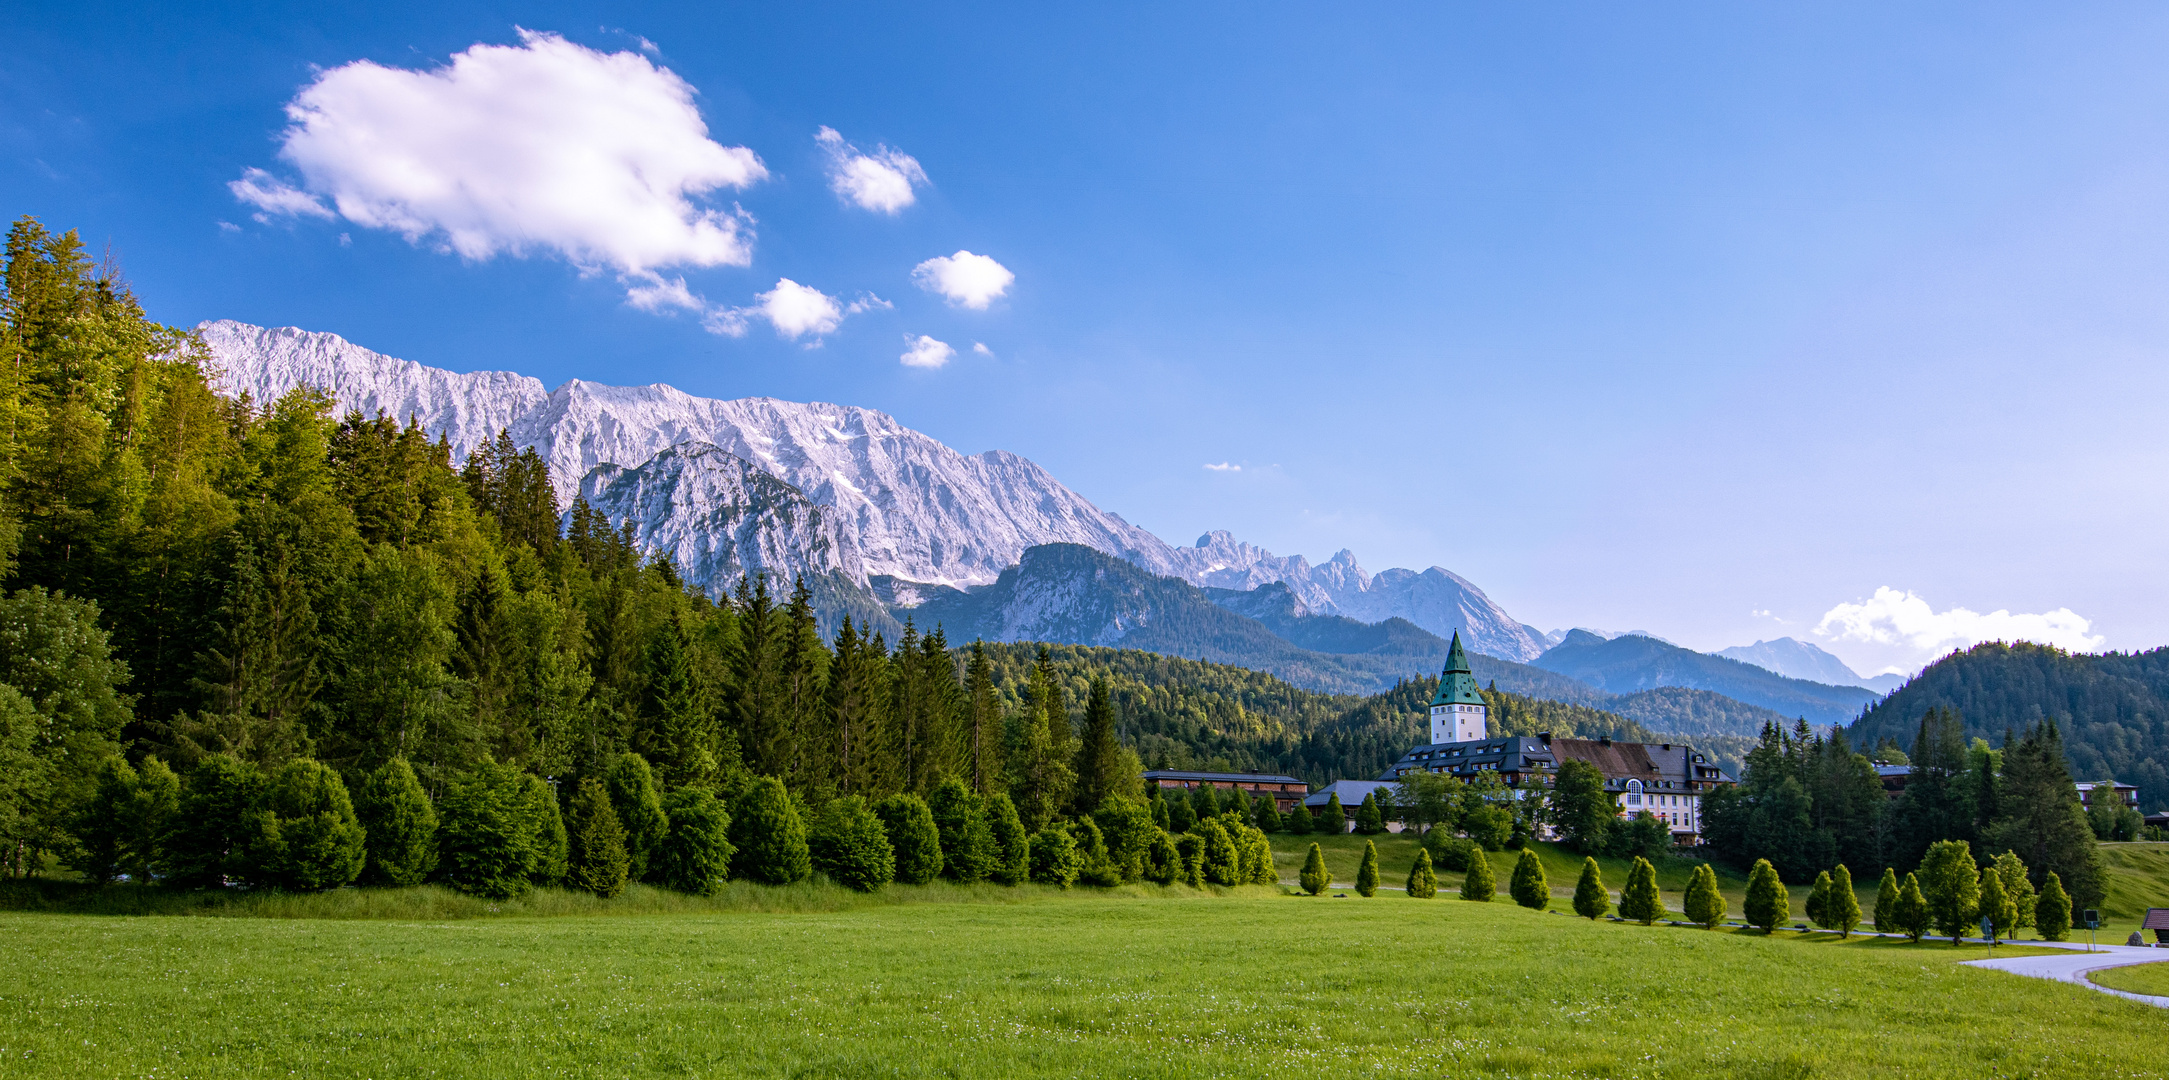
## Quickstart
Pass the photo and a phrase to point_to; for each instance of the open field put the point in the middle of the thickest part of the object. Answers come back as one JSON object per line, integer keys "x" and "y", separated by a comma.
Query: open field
{"x": 2139, "y": 979}
{"x": 2138, "y": 878}
{"x": 1144, "y": 984}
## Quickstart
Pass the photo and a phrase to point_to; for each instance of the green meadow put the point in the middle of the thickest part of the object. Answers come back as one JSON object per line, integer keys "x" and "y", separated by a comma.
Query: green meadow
{"x": 2139, "y": 979}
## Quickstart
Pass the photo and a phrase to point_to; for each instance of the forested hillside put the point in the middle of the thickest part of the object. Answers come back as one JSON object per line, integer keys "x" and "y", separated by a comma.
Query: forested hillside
{"x": 2113, "y": 708}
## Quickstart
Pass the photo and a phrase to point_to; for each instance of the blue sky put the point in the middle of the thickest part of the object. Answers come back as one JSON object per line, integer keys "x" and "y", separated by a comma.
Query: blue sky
{"x": 1705, "y": 321}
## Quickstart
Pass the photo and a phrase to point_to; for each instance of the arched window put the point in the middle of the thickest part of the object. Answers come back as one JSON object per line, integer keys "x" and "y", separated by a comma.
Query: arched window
{"x": 1634, "y": 793}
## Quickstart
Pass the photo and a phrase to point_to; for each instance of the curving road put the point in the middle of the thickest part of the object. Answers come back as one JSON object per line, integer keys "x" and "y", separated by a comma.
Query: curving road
{"x": 2073, "y": 966}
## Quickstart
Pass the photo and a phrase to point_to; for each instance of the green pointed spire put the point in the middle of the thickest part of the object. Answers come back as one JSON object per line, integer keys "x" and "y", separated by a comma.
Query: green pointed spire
{"x": 1456, "y": 685}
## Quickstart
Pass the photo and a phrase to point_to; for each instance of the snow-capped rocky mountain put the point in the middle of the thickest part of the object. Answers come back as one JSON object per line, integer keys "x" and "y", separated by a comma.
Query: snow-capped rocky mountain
{"x": 1796, "y": 659}
{"x": 720, "y": 516}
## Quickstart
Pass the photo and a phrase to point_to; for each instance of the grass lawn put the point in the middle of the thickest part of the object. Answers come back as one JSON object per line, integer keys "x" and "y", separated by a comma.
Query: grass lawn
{"x": 2137, "y": 979}
{"x": 1139, "y": 983}
{"x": 2138, "y": 878}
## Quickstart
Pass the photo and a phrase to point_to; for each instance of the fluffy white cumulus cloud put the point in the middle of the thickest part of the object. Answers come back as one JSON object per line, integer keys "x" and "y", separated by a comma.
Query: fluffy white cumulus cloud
{"x": 881, "y": 181}
{"x": 545, "y": 146}
{"x": 794, "y": 310}
{"x": 964, "y": 279}
{"x": 923, "y": 351}
{"x": 1905, "y": 620}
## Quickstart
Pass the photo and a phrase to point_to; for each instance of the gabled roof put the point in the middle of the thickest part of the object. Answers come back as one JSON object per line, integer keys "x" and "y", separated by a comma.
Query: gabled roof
{"x": 1456, "y": 686}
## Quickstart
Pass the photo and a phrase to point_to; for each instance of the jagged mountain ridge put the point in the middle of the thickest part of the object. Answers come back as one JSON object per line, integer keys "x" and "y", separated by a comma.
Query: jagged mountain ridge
{"x": 1635, "y": 662}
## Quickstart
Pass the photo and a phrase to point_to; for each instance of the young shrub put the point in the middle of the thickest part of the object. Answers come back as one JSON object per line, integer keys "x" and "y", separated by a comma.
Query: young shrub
{"x": 1267, "y": 815}
{"x": 633, "y": 797}
{"x": 1640, "y": 900}
{"x": 1012, "y": 845}
{"x": 1843, "y": 907}
{"x": 1370, "y": 821}
{"x": 1952, "y": 887}
{"x": 1479, "y": 884}
{"x": 1528, "y": 886}
{"x": 1704, "y": 904}
{"x": 1910, "y": 915}
{"x": 1422, "y": 882}
{"x": 912, "y": 836}
{"x": 1451, "y": 852}
{"x": 596, "y": 862}
{"x": 1298, "y": 820}
{"x": 1096, "y": 868}
{"x": 1996, "y": 906}
{"x": 1190, "y": 848}
{"x": 546, "y": 830}
{"x": 965, "y": 842}
{"x": 1204, "y": 801}
{"x": 2017, "y": 887}
{"x": 1163, "y": 864}
{"x": 1157, "y": 802}
{"x": 1886, "y": 902}
{"x": 770, "y": 838}
{"x": 849, "y": 844}
{"x": 1258, "y": 858}
{"x": 1125, "y": 822}
{"x": 205, "y": 842}
{"x": 695, "y": 853}
{"x": 1315, "y": 879}
{"x": 304, "y": 835}
{"x": 401, "y": 826}
{"x": 1591, "y": 900}
{"x": 1367, "y": 870}
{"x": 1055, "y": 858}
{"x": 1222, "y": 867}
{"x": 1768, "y": 906}
{"x": 1332, "y": 820}
{"x": 2052, "y": 910}
{"x": 483, "y": 846}
{"x": 1818, "y": 900}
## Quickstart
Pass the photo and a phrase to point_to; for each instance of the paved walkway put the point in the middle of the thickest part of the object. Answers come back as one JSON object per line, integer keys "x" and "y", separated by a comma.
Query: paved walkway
{"x": 2073, "y": 965}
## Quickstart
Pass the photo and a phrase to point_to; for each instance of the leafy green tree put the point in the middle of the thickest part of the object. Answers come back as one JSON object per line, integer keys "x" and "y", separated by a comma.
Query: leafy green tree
{"x": 1332, "y": 820}
{"x": 2051, "y": 910}
{"x": 1095, "y": 866}
{"x": 1267, "y": 814}
{"x": 1369, "y": 820}
{"x": 1949, "y": 883}
{"x": 1422, "y": 882}
{"x": 1479, "y": 884}
{"x": 1843, "y": 907}
{"x": 1126, "y": 823}
{"x": 23, "y": 780}
{"x": 1315, "y": 879}
{"x": 1257, "y": 848}
{"x": 1055, "y": 858}
{"x": 1704, "y": 904}
{"x": 639, "y": 809}
{"x": 53, "y": 651}
{"x": 1910, "y": 915}
{"x": 1886, "y": 901}
{"x": 1768, "y": 906}
{"x": 108, "y": 838}
{"x": 850, "y": 845}
{"x": 401, "y": 826}
{"x": 545, "y": 826}
{"x": 303, "y": 834}
{"x": 913, "y": 837}
{"x": 1996, "y": 906}
{"x": 1490, "y": 825}
{"x": 967, "y": 845}
{"x": 597, "y": 862}
{"x": 1818, "y": 900}
{"x": 1163, "y": 864}
{"x": 1580, "y": 808}
{"x": 1297, "y": 821}
{"x": 2017, "y": 887}
{"x": 1222, "y": 866}
{"x": 694, "y": 855}
{"x": 1012, "y": 845}
{"x": 1640, "y": 900}
{"x": 770, "y": 838}
{"x": 1528, "y": 885}
{"x": 1450, "y": 852}
{"x": 1591, "y": 898}
{"x": 207, "y": 841}
{"x": 1429, "y": 800}
{"x": 1367, "y": 870}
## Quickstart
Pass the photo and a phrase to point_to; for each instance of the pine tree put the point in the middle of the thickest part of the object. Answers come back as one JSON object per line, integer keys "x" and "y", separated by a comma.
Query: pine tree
{"x": 545, "y": 827}
{"x": 770, "y": 838}
{"x": 1886, "y": 902}
{"x": 1996, "y": 907}
{"x": 1367, "y": 870}
{"x": 2051, "y": 910}
{"x": 1949, "y": 882}
{"x": 983, "y": 726}
{"x": 400, "y": 824}
{"x": 1012, "y": 845}
{"x": 1422, "y": 882}
{"x": 678, "y": 733}
{"x": 1818, "y": 900}
{"x": 912, "y": 837}
{"x": 849, "y": 844}
{"x": 1843, "y": 907}
{"x": 1768, "y": 906}
{"x": 2017, "y": 887}
{"x": 1479, "y": 884}
{"x": 802, "y": 741}
{"x": 1911, "y": 916}
{"x": 857, "y": 700}
{"x": 1267, "y": 815}
{"x": 1370, "y": 821}
{"x": 1205, "y": 801}
{"x": 306, "y": 836}
{"x": 2043, "y": 821}
{"x": 1315, "y": 879}
{"x": 1039, "y": 771}
{"x": 1055, "y": 858}
{"x": 1640, "y": 900}
{"x": 631, "y": 785}
{"x": 694, "y": 855}
{"x": 1181, "y": 815}
{"x": 1298, "y": 820}
{"x": 1101, "y": 766}
{"x": 760, "y": 707}
{"x": 1528, "y": 886}
{"x": 1332, "y": 821}
{"x": 597, "y": 862}
{"x": 1591, "y": 899}
{"x": 1705, "y": 904}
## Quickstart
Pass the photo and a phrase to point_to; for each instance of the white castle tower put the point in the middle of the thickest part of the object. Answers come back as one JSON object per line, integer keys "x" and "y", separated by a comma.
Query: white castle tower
{"x": 1458, "y": 712}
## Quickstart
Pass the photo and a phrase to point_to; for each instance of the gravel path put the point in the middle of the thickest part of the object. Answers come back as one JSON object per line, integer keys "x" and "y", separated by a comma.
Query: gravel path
{"x": 2073, "y": 966}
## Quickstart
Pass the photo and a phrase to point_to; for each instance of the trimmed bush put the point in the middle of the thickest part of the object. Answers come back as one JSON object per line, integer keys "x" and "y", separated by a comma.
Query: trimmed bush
{"x": 304, "y": 835}
{"x": 851, "y": 847}
{"x": 2017, "y": 887}
{"x": 1163, "y": 864}
{"x": 117, "y": 829}
{"x": 1844, "y": 908}
{"x": 1422, "y": 882}
{"x": 596, "y": 862}
{"x": 1012, "y": 845}
{"x": 206, "y": 843}
{"x": 1478, "y": 883}
{"x": 1055, "y": 858}
{"x": 912, "y": 837}
{"x": 695, "y": 853}
{"x": 401, "y": 826}
{"x": 1818, "y": 899}
{"x": 1912, "y": 917}
{"x": 770, "y": 838}
{"x": 639, "y": 807}
{"x": 967, "y": 846}
{"x": 1528, "y": 887}
{"x": 1640, "y": 900}
{"x": 1315, "y": 879}
{"x": 2051, "y": 910}
{"x": 1591, "y": 899}
{"x": 1768, "y": 906}
{"x": 1886, "y": 902}
{"x": 1367, "y": 870}
{"x": 1222, "y": 865}
{"x": 1705, "y": 905}
{"x": 1257, "y": 857}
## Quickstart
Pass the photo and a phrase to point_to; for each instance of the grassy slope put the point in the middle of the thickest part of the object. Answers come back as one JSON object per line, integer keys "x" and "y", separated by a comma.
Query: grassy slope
{"x": 1074, "y": 985}
{"x": 2138, "y": 879}
{"x": 2139, "y": 979}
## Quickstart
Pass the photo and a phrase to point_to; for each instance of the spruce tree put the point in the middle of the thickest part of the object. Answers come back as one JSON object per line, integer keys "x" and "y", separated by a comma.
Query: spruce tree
{"x": 2052, "y": 910}
{"x": 1315, "y": 879}
{"x": 631, "y": 785}
{"x": 1768, "y": 905}
{"x": 401, "y": 826}
{"x": 305, "y": 835}
{"x": 1886, "y": 902}
{"x": 983, "y": 727}
{"x": 1528, "y": 886}
{"x": 1479, "y": 884}
{"x": 1996, "y": 907}
{"x": 695, "y": 853}
{"x": 2017, "y": 887}
{"x": 1332, "y": 820}
{"x": 1591, "y": 899}
{"x": 1181, "y": 814}
{"x": 1952, "y": 887}
{"x": 1267, "y": 816}
{"x": 1055, "y": 858}
{"x": 848, "y": 844}
{"x": 545, "y": 826}
{"x": 1204, "y": 801}
{"x": 1298, "y": 820}
{"x": 1640, "y": 900}
{"x": 1705, "y": 904}
{"x": 913, "y": 837}
{"x": 1370, "y": 821}
{"x": 770, "y": 838}
{"x": 1012, "y": 845}
{"x": 1843, "y": 906}
{"x": 1422, "y": 882}
{"x": 1818, "y": 900}
{"x": 1367, "y": 870}
{"x": 1910, "y": 914}
{"x": 596, "y": 862}
{"x": 1102, "y": 768}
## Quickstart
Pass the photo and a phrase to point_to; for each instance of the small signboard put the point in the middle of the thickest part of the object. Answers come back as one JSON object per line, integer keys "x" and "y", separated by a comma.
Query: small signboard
{"x": 1988, "y": 930}
{"x": 2091, "y": 918}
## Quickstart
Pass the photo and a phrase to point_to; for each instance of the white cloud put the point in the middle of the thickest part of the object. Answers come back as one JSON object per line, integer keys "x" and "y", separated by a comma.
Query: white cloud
{"x": 656, "y": 294}
{"x": 546, "y": 146}
{"x": 1902, "y": 619}
{"x": 795, "y": 311}
{"x": 980, "y": 347}
{"x": 923, "y": 351}
{"x": 880, "y": 181}
{"x": 965, "y": 279}
{"x": 1225, "y": 467}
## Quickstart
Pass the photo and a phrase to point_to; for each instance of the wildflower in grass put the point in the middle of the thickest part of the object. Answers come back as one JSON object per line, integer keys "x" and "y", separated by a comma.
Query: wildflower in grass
{"x": 1640, "y": 900}
{"x": 1315, "y": 879}
{"x": 1422, "y": 883}
{"x": 1367, "y": 870}
{"x": 1591, "y": 899}
{"x": 1767, "y": 903}
{"x": 1529, "y": 887}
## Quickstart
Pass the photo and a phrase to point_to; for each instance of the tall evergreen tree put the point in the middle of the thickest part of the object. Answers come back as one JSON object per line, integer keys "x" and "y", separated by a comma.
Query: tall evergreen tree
{"x": 2042, "y": 819}
{"x": 1478, "y": 883}
{"x": 678, "y": 734}
{"x": 1640, "y": 900}
{"x": 1101, "y": 767}
{"x": 1332, "y": 820}
{"x": 1704, "y": 903}
{"x": 1591, "y": 899}
{"x": 761, "y": 710}
{"x": 984, "y": 725}
{"x": 1367, "y": 870}
{"x": 596, "y": 862}
{"x": 1886, "y": 901}
{"x": 801, "y": 750}
{"x": 1911, "y": 916}
{"x": 1315, "y": 879}
{"x": 1370, "y": 821}
{"x": 1528, "y": 886}
{"x": 1039, "y": 770}
{"x": 857, "y": 700}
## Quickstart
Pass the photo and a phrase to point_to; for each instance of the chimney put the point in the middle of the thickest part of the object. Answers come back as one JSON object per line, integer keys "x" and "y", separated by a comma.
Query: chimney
{"x": 1605, "y": 741}
{"x": 1545, "y": 736}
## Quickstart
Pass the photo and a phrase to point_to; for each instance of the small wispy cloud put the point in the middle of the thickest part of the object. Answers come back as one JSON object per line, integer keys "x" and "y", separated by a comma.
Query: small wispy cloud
{"x": 1225, "y": 467}
{"x": 925, "y": 352}
{"x": 980, "y": 347}
{"x": 881, "y": 181}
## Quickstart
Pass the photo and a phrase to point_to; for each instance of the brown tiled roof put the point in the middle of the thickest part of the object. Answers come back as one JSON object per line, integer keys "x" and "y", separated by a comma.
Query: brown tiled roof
{"x": 2157, "y": 918}
{"x": 1613, "y": 759}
